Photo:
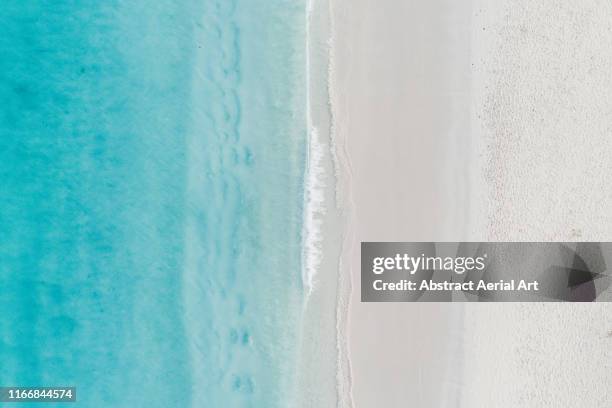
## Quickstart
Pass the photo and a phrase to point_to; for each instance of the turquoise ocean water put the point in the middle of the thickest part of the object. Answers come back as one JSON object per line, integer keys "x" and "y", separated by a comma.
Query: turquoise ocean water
{"x": 151, "y": 189}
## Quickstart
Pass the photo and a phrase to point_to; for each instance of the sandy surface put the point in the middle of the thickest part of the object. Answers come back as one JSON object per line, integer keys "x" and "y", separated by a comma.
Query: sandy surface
{"x": 463, "y": 121}
{"x": 400, "y": 93}
{"x": 541, "y": 100}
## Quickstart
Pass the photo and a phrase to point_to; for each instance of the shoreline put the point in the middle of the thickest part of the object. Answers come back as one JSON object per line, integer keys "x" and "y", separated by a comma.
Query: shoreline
{"x": 342, "y": 174}
{"x": 317, "y": 384}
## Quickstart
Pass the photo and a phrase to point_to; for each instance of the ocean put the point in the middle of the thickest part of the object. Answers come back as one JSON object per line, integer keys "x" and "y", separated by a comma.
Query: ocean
{"x": 152, "y": 160}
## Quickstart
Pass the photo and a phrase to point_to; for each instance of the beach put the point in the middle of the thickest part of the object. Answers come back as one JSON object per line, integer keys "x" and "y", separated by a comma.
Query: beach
{"x": 186, "y": 185}
{"x": 541, "y": 100}
{"x": 471, "y": 122}
{"x": 401, "y": 102}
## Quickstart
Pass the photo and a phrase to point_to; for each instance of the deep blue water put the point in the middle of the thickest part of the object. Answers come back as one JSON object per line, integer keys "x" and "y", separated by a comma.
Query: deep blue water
{"x": 151, "y": 173}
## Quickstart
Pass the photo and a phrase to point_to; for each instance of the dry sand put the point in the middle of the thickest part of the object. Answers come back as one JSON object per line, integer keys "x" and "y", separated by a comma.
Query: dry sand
{"x": 472, "y": 121}
{"x": 542, "y": 102}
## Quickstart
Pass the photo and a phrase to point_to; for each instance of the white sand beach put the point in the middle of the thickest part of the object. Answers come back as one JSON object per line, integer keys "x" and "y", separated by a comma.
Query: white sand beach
{"x": 402, "y": 127}
{"x": 541, "y": 92}
{"x": 472, "y": 121}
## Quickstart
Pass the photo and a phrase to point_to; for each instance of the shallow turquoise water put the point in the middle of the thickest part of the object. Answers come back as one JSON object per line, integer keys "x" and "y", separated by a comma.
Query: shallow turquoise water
{"x": 151, "y": 166}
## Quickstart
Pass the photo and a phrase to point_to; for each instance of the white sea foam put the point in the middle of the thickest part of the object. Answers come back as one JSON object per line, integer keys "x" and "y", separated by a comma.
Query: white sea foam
{"x": 314, "y": 183}
{"x": 314, "y": 209}
{"x": 322, "y": 228}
